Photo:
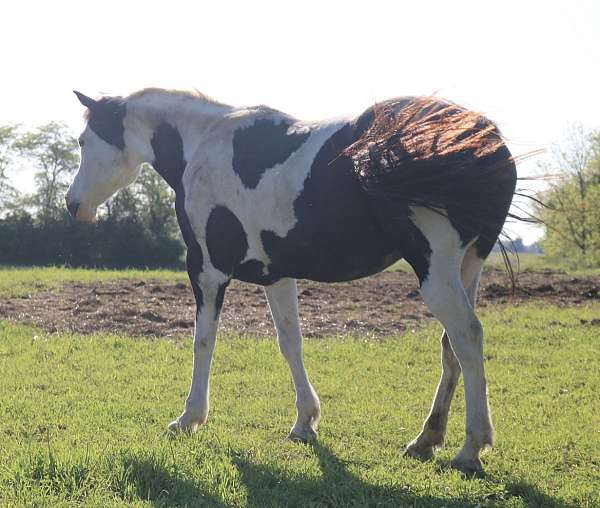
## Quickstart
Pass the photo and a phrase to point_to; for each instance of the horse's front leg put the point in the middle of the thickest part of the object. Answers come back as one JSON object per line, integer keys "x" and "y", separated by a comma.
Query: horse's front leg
{"x": 283, "y": 301}
{"x": 209, "y": 293}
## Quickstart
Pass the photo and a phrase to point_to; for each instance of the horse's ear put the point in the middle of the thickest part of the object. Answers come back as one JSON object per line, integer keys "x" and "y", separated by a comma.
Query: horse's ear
{"x": 88, "y": 102}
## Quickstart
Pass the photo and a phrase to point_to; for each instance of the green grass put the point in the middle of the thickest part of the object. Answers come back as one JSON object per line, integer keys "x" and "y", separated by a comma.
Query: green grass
{"x": 536, "y": 262}
{"x": 16, "y": 282}
{"x": 524, "y": 262}
{"x": 83, "y": 420}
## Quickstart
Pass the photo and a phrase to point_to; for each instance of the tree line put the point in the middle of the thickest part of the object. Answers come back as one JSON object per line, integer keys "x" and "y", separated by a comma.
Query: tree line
{"x": 136, "y": 228}
{"x": 570, "y": 207}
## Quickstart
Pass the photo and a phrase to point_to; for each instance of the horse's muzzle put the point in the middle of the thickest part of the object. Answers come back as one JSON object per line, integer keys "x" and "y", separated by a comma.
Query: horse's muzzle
{"x": 72, "y": 207}
{"x": 81, "y": 212}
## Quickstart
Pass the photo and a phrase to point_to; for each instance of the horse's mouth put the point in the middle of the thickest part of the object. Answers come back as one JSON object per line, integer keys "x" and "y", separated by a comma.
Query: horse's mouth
{"x": 82, "y": 212}
{"x": 86, "y": 214}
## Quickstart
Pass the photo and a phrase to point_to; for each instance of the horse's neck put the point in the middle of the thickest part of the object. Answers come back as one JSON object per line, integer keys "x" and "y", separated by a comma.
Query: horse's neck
{"x": 192, "y": 117}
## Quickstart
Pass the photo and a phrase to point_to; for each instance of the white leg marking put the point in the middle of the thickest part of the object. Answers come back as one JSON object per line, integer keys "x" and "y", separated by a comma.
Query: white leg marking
{"x": 196, "y": 405}
{"x": 444, "y": 294}
{"x": 283, "y": 301}
{"x": 434, "y": 428}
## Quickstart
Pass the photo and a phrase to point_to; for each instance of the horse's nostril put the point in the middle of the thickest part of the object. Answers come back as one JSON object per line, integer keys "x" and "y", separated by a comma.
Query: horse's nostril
{"x": 73, "y": 207}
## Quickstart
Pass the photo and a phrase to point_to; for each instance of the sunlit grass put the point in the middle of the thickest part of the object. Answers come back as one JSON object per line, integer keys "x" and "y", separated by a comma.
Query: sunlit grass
{"x": 522, "y": 262}
{"x": 536, "y": 262}
{"x": 15, "y": 282}
{"x": 83, "y": 420}
{"x": 22, "y": 281}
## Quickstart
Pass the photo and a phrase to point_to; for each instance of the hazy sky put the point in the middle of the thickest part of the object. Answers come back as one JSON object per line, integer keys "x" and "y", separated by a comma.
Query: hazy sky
{"x": 532, "y": 66}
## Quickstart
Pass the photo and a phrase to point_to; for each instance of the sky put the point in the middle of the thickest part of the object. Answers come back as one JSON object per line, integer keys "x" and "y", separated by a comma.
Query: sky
{"x": 531, "y": 66}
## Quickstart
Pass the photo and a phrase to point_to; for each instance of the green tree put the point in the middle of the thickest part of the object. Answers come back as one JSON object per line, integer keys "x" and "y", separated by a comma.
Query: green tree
{"x": 53, "y": 152}
{"x": 124, "y": 204}
{"x": 573, "y": 214}
{"x": 158, "y": 200}
{"x": 148, "y": 200}
{"x": 136, "y": 227}
{"x": 8, "y": 193}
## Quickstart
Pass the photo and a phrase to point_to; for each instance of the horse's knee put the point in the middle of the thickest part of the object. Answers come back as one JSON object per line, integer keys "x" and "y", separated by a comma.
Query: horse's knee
{"x": 475, "y": 330}
{"x": 290, "y": 344}
{"x": 467, "y": 342}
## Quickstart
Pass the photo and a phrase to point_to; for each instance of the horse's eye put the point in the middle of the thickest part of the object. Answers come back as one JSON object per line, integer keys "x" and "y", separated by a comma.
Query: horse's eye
{"x": 80, "y": 141}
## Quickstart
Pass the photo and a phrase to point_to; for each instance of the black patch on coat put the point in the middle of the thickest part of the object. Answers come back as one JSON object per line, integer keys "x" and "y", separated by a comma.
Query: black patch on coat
{"x": 253, "y": 271}
{"x": 220, "y": 298}
{"x": 417, "y": 252}
{"x": 337, "y": 237}
{"x": 225, "y": 239}
{"x": 261, "y": 146}
{"x": 394, "y": 217}
{"x": 169, "y": 161}
{"x": 106, "y": 120}
{"x": 194, "y": 258}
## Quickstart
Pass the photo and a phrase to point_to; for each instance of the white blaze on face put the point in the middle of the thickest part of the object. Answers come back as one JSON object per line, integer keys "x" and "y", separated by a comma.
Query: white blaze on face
{"x": 103, "y": 170}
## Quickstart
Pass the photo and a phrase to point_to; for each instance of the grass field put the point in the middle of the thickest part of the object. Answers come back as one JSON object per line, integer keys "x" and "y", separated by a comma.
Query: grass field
{"x": 83, "y": 420}
{"x": 17, "y": 282}
{"x": 520, "y": 263}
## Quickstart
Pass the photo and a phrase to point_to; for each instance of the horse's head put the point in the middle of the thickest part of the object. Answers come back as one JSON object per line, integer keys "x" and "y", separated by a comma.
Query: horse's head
{"x": 110, "y": 156}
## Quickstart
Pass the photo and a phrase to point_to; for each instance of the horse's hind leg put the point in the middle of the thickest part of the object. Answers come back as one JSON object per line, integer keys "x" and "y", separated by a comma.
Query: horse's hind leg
{"x": 283, "y": 301}
{"x": 444, "y": 293}
{"x": 434, "y": 428}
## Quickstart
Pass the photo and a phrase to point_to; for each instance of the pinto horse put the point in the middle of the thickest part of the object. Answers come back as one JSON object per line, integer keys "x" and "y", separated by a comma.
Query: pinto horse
{"x": 265, "y": 198}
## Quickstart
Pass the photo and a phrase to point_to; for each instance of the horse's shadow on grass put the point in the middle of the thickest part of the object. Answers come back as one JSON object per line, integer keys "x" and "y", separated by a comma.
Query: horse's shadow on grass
{"x": 161, "y": 485}
{"x": 337, "y": 487}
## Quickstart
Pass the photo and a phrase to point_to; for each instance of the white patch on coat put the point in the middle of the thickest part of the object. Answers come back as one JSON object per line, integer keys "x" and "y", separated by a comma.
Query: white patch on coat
{"x": 210, "y": 180}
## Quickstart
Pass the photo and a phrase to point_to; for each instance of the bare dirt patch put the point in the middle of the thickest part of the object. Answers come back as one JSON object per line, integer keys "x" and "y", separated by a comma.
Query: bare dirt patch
{"x": 384, "y": 304}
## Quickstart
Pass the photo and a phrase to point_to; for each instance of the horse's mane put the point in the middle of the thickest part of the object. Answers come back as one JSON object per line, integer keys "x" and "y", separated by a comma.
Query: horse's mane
{"x": 116, "y": 100}
{"x": 190, "y": 94}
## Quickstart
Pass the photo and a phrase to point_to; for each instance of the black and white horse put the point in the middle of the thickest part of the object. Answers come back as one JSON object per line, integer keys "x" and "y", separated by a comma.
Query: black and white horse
{"x": 265, "y": 198}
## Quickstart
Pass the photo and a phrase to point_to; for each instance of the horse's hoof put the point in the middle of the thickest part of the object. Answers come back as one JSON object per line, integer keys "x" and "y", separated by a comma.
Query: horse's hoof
{"x": 174, "y": 427}
{"x": 305, "y": 436}
{"x": 186, "y": 424}
{"x": 415, "y": 452}
{"x": 469, "y": 467}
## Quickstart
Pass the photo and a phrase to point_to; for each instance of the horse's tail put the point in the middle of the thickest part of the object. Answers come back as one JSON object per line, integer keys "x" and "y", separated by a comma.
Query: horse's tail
{"x": 424, "y": 152}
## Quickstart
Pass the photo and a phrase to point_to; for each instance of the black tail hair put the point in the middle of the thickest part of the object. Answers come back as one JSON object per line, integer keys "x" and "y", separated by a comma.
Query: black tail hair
{"x": 431, "y": 153}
